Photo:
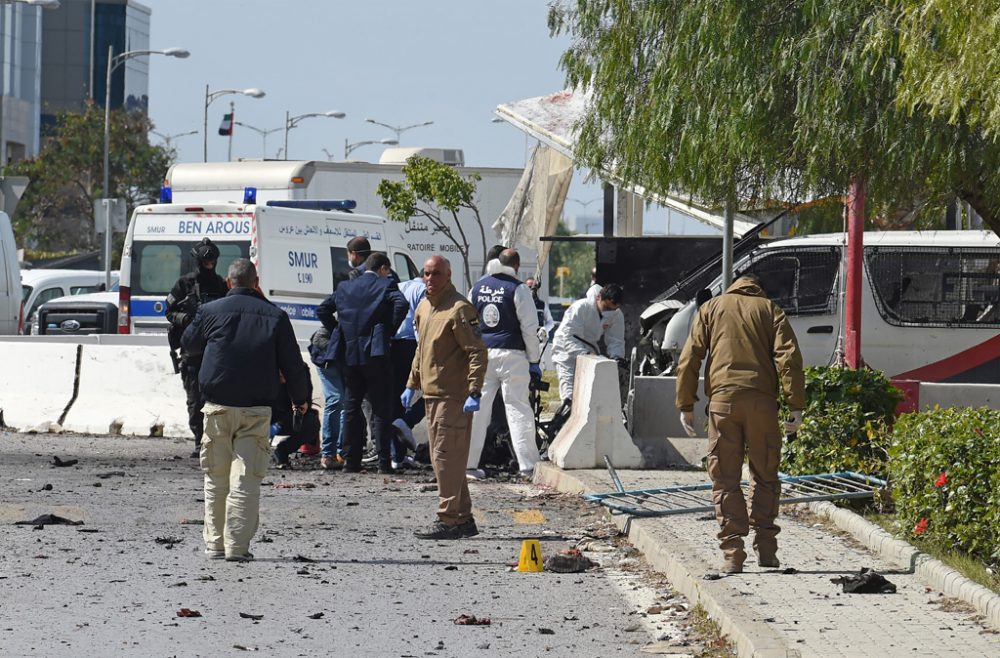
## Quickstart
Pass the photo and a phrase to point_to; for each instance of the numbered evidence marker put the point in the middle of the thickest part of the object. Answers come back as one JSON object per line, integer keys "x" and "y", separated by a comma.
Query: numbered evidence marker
{"x": 531, "y": 556}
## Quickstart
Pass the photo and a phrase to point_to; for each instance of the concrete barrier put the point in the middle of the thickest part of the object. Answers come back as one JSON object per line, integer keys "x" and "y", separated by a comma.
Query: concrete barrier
{"x": 595, "y": 427}
{"x": 959, "y": 395}
{"x": 656, "y": 426}
{"x": 37, "y": 384}
{"x": 128, "y": 390}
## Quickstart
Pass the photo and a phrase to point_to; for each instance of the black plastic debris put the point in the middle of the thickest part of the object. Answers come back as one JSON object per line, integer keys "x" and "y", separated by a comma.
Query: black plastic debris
{"x": 866, "y": 581}
{"x": 168, "y": 541}
{"x": 59, "y": 463}
{"x": 247, "y": 615}
{"x": 49, "y": 519}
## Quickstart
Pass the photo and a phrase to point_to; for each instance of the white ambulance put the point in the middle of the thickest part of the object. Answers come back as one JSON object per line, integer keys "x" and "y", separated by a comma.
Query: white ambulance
{"x": 298, "y": 247}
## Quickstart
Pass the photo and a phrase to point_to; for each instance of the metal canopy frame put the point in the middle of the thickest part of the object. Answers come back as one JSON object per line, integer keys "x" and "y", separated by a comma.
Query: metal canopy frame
{"x": 693, "y": 498}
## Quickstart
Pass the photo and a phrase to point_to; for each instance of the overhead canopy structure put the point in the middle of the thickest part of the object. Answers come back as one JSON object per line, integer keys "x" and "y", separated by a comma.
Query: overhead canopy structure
{"x": 551, "y": 120}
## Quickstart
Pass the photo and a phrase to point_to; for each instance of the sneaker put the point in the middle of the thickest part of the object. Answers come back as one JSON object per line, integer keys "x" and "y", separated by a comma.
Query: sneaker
{"x": 475, "y": 474}
{"x": 215, "y": 554}
{"x": 370, "y": 457}
{"x": 196, "y": 453}
{"x": 386, "y": 469}
{"x": 244, "y": 557}
{"x": 405, "y": 433}
{"x": 439, "y": 530}
{"x": 468, "y": 529}
{"x": 527, "y": 474}
{"x": 283, "y": 466}
{"x": 408, "y": 462}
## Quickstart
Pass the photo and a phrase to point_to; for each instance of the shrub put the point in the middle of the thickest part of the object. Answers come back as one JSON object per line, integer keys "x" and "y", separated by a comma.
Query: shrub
{"x": 845, "y": 423}
{"x": 945, "y": 467}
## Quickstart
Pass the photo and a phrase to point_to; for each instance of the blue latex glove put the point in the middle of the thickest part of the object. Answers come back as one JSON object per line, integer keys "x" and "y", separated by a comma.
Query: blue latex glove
{"x": 535, "y": 370}
{"x": 471, "y": 404}
{"x": 407, "y": 398}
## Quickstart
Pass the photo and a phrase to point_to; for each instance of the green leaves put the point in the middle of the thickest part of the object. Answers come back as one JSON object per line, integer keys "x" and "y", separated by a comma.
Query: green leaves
{"x": 963, "y": 507}
{"x": 56, "y": 211}
{"x": 789, "y": 100}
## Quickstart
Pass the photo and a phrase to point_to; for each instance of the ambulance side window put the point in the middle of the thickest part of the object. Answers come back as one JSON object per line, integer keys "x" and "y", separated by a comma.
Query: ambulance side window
{"x": 340, "y": 265}
{"x": 404, "y": 267}
{"x": 801, "y": 282}
{"x": 159, "y": 267}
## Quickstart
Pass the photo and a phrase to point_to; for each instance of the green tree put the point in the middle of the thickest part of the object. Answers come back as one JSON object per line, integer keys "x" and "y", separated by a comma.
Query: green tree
{"x": 782, "y": 99}
{"x": 57, "y": 209}
{"x": 436, "y": 192}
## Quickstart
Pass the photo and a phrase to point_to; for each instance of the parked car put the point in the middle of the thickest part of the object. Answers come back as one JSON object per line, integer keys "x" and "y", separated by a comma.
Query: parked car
{"x": 42, "y": 285}
{"x": 79, "y": 315}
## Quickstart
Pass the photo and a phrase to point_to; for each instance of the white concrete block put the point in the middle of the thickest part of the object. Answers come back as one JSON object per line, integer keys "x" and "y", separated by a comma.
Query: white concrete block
{"x": 595, "y": 427}
{"x": 128, "y": 390}
{"x": 37, "y": 382}
{"x": 959, "y": 395}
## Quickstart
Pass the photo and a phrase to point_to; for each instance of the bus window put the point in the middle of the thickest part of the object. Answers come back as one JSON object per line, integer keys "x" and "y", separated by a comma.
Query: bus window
{"x": 405, "y": 267}
{"x": 801, "y": 282}
{"x": 159, "y": 267}
{"x": 340, "y": 266}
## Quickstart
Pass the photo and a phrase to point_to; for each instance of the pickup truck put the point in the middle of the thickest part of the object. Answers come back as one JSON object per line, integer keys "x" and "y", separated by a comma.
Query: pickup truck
{"x": 78, "y": 315}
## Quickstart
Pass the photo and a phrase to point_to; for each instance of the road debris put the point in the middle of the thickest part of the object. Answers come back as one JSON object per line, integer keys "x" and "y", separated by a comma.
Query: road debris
{"x": 302, "y": 558}
{"x": 188, "y": 612}
{"x": 294, "y": 485}
{"x": 546, "y": 631}
{"x": 472, "y": 620}
{"x": 168, "y": 541}
{"x": 866, "y": 581}
{"x": 192, "y": 521}
{"x": 59, "y": 463}
{"x": 49, "y": 519}
{"x": 109, "y": 474}
{"x": 569, "y": 560}
{"x": 247, "y": 615}
{"x": 316, "y": 615}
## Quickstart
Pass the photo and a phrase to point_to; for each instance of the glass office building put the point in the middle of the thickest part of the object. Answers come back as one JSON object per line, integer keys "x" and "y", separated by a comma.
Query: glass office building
{"x": 75, "y": 41}
{"x": 20, "y": 80}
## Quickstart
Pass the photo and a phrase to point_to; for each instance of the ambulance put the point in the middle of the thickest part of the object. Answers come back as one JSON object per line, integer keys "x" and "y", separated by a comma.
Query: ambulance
{"x": 298, "y": 247}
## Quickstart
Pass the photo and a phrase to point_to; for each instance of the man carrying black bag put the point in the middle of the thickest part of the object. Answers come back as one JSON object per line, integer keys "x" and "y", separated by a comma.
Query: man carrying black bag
{"x": 193, "y": 289}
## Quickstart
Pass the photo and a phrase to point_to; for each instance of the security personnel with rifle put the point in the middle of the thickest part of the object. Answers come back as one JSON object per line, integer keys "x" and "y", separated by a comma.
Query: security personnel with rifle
{"x": 191, "y": 291}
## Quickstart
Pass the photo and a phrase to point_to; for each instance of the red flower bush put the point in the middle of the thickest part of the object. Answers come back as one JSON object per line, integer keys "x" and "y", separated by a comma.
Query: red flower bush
{"x": 921, "y": 526}
{"x": 942, "y": 480}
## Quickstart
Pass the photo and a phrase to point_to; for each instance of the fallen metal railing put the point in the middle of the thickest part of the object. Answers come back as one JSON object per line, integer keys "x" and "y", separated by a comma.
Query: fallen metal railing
{"x": 693, "y": 498}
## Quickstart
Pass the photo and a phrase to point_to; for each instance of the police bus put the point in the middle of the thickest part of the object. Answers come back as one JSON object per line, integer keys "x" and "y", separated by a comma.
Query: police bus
{"x": 298, "y": 247}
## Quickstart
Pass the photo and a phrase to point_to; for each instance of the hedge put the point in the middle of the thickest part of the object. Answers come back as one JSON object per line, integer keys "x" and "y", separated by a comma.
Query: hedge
{"x": 945, "y": 472}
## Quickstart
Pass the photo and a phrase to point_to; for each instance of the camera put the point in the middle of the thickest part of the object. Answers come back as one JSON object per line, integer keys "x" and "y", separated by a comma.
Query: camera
{"x": 538, "y": 384}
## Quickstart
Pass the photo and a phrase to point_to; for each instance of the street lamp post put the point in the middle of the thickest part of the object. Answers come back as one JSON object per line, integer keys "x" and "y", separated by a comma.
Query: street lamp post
{"x": 349, "y": 148}
{"x": 114, "y": 61}
{"x": 399, "y": 130}
{"x": 44, "y": 4}
{"x": 210, "y": 96}
{"x": 291, "y": 122}
{"x": 584, "y": 204}
{"x": 169, "y": 138}
{"x": 263, "y": 135}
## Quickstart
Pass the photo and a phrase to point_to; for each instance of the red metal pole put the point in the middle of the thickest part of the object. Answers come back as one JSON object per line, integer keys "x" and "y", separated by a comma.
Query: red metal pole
{"x": 855, "y": 252}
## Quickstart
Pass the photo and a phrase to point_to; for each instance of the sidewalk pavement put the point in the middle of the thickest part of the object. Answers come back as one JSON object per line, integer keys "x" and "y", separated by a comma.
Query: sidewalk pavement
{"x": 769, "y": 614}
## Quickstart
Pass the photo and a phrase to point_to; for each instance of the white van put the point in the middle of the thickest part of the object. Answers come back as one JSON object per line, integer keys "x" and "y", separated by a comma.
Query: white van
{"x": 42, "y": 285}
{"x": 10, "y": 279}
{"x": 299, "y": 250}
{"x": 930, "y": 301}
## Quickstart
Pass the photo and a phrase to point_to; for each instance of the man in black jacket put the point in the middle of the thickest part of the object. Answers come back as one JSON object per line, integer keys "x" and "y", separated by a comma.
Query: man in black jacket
{"x": 191, "y": 291}
{"x": 246, "y": 344}
{"x": 369, "y": 309}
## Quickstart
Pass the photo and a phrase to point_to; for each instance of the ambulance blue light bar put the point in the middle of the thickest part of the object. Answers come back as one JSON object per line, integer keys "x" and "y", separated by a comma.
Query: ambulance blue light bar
{"x": 343, "y": 205}
{"x": 249, "y": 195}
{"x": 166, "y": 194}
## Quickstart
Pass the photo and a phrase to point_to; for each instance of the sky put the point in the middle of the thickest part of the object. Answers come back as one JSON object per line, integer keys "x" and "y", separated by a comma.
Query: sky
{"x": 399, "y": 62}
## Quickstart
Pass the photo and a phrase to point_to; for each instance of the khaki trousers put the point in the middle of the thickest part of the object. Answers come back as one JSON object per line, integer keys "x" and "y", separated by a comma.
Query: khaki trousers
{"x": 745, "y": 423}
{"x": 234, "y": 458}
{"x": 449, "y": 431}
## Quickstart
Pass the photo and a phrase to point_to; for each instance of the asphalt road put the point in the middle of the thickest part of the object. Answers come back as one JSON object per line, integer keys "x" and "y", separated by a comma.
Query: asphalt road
{"x": 338, "y": 571}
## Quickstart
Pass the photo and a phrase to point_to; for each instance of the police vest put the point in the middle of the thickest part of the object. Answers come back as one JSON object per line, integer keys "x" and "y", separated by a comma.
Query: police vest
{"x": 494, "y": 299}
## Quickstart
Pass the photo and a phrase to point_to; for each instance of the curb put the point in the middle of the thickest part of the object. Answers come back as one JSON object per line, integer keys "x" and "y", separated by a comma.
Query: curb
{"x": 933, "y": 572}
{"x": 751, "y": 637}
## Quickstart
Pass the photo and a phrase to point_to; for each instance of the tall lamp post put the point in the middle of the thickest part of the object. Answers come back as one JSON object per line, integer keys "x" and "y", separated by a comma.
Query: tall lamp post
{"x": 399, "y": 130}
{"x": 584, "y": 204}
{"x": 291, "y": 122}
{"x": 210, "y": 96}
{"x": 44, "y": 4}
{"x": 114, "y": 61}
{"x": 263, "y": 135}
{"x": 349, "y": 148}
{"x": 167, "y": 138}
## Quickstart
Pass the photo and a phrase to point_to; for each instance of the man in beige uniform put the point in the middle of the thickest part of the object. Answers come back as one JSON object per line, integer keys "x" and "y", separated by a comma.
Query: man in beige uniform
{"x": 449, "y": 367}
{"x": 750, "y": 348}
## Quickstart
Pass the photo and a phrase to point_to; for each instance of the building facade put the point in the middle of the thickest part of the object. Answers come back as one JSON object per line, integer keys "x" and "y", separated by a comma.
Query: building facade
{"x": 75, "y": 41}
{"x": 20, "y": 80}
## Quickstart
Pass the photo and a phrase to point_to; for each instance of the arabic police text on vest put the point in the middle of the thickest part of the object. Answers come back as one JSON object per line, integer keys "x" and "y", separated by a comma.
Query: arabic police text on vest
{"x": 494, "y": 300}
